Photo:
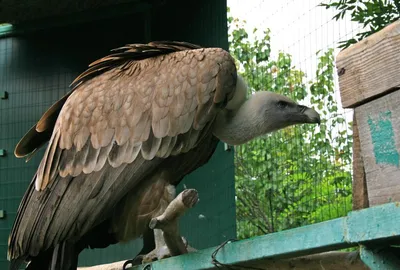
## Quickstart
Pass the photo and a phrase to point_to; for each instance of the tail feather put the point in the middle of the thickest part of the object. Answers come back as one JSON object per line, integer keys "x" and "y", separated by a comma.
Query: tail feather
{"x": 16, "y": 263}
{"x": 63, "y": 257}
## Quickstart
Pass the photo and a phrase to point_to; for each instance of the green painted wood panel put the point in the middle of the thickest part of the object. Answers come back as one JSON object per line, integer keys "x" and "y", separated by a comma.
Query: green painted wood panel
{"x": 36, "y": 69}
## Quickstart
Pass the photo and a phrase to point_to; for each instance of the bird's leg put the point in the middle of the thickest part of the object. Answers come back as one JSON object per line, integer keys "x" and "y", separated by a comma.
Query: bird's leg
{"x": 161, "y": 250}
{"x": 166, "y": 227}
{"x": 168, "y": 222}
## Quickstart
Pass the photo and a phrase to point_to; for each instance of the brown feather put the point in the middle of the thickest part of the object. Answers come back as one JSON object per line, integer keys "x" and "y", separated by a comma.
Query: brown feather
{"x": 103, "y": 156}
{"x": 31, "y": 142}
{"x": 87, "y": 174}
{"x": 49, "y": 118}
{"x": 118, "y": 154}
{"x": 150, "y": 147}
{"x": 91, "y": 159}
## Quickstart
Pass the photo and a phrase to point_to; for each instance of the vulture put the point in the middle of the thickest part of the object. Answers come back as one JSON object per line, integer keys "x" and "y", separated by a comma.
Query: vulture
{"x": 134, "y": 124}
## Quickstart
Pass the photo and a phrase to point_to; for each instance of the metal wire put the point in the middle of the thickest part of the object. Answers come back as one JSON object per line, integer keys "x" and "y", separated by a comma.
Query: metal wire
{"x": 220, "y": 265}
{"x": 298, "y": 28}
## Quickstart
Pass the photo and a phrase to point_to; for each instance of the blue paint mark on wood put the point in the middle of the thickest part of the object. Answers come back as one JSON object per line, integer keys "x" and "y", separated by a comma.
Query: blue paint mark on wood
{"x": 382, "y": 134}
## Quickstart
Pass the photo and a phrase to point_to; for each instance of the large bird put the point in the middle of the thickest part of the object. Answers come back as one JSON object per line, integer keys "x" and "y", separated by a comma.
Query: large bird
{"x": 133, "y": 125}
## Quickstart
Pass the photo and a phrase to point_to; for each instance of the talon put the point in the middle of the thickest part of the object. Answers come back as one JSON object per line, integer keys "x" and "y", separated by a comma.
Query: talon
{"x": 136, "y": 261}
{"x": 157, "y": 254}
{"x": 126, "y": 264}
{"x": 190, "y": 197}
{"x": 153, "y": 223}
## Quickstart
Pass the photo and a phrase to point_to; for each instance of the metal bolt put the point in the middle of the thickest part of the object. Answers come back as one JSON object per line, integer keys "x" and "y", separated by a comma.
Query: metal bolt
{"x": 4, "y": 95}
{"x": 227, "y": 147}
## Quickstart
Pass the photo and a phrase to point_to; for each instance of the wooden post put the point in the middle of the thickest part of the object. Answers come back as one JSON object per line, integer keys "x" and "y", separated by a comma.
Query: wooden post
{"x": 369, "y": 81}
{"x": 360, "y": 192}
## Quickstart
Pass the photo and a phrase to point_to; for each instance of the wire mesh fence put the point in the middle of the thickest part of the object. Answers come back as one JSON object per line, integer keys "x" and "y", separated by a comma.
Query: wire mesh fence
{"x": 300, "y": 175}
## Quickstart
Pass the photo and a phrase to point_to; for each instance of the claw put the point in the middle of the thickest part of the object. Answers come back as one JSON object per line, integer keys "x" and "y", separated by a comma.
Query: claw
{"x": 157, "y": 254}
{"x": 127, "y": 263}
{"x": 136, "y": 261}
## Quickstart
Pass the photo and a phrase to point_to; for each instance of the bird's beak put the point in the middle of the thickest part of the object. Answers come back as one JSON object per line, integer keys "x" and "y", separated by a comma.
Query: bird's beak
{"x": 311, "y": 115}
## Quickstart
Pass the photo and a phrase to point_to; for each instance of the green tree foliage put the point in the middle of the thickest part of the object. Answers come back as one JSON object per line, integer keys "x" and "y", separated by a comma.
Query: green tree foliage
{"x": 299, "y": 175}
{"x": 372, "y": 14}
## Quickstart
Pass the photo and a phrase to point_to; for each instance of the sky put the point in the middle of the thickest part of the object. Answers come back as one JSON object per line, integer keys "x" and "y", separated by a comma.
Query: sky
{"x": 298, "y": 27}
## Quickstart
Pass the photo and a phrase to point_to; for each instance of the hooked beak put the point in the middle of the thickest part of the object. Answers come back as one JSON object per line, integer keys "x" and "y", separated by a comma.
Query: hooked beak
{"x": 311, "y": 116}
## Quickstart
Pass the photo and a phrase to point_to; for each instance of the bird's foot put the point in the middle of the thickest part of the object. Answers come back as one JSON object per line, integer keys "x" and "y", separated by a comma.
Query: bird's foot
{"x": 166, "y": 230}
{"x": 162, "y": 252}
{"x": 156, "y": 254}
{"x": 168, "y": 221}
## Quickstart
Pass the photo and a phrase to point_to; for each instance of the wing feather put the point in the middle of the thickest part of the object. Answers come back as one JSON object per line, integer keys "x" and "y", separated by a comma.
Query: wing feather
{"x": 91, "y": 160}
{"x": 151, "y": 146}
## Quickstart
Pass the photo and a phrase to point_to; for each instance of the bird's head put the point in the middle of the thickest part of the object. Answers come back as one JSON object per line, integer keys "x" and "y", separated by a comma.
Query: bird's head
{"x": 278, "y": 111}
{"x": 262, "y": 113}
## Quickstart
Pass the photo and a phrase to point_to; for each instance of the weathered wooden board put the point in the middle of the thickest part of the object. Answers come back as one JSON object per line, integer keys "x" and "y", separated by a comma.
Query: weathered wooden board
{"x": 381, "y": 257}
{"x": 370, "y": 67}
{"x": 360, "y": 191}
{"x": 379, "y": 130}
{"x": 332, "y": 260}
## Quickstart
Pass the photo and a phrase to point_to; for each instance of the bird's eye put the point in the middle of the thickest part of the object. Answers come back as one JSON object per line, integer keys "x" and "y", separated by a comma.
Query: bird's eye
{"x": 282, "y": 104}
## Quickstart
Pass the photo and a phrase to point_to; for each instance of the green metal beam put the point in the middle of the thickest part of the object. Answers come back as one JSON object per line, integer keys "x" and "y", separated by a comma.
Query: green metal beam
{"x": 375, "y": 224}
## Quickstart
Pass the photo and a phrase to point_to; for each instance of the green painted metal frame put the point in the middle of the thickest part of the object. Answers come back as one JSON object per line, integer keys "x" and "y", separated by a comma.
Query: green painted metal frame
{"x": 82, "y": 17}
{"x": 365, "y": 227}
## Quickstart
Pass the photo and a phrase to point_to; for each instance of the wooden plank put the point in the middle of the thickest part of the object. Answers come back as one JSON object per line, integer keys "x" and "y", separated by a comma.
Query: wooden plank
{"x": 360, "y": 193}
{"x": 379, "y": 128}
{"x": 332, "y": 260}
{"x": 381, "y": 258}
{"x": 370, "y": 67}
{"x": 379, "y": 223}
{"x": 364, "y": 226}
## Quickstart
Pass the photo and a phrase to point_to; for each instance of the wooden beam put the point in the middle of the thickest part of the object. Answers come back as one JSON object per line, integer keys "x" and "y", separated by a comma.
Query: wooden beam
{"x": 381, "y": 258}
{"x": 332, "y": 260}
{"x": 367, "y": 226}
{"x": 379, "y": 128}
{"x": 370, "y": 68}
{"x": 360, "y": 191}
{"x": 108, "y": 266}
{"x": 328, "y": 261}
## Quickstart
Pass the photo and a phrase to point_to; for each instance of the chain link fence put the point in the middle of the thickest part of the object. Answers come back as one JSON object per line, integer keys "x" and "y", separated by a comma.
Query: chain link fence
{"x": 300, "y": 175}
